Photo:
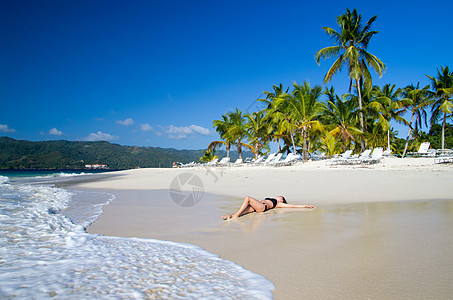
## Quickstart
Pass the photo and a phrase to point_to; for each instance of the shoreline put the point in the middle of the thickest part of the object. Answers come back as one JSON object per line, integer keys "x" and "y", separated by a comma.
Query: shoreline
{"x": 143, "y": 208}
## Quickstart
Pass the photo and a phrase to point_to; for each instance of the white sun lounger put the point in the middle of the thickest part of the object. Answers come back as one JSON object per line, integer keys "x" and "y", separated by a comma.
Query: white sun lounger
{"x": 364, "y": 156}
{"x": 289, "y": 160}
{"x": 319, "y": 157}
{"x": 238, "y": 162}
{"x": 444, "y": 160}
{"x": 224, "y": 161}
{"x": 258, "y": 160}
{"x": 269, "y": 158}
{"x": 375, "y": 157}
{"x": 423, "y": 151}
{"x": 191, "y": 164}
{"x": 339, "y": 160}
{"x": 212, "y": 162}
{"x": 387, "y": 153}
{"x": 276, "y": 159}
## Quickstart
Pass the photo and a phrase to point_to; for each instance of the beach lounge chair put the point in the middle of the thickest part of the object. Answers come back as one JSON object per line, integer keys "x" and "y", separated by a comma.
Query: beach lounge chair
{"x": 224, "y": 161}
{"x": 444, "y": 152}
{"x": 191, "y": 164}
{"x": 339, "y": 160}
{"x": 258, "y": 160}
{"x": 444, "y": 160}
{"x": 387, "y": 153}
{"x": 423, "y": 151}
{"x": 365, "y": 155}
{"x": 238, "y": 162}
{"x": 375, "y": 157}
{"x": 212, "y": 162}
{"x": 346, "y": 154}
{"x": 276, "y": 159}
{"x": 319, "y": 156}
{"x": 269, "y": 158}
{"x": 290, "y": 159}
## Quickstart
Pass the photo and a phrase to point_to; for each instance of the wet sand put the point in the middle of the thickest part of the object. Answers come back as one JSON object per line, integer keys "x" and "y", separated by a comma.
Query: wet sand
{"x": 367, "y": 250}
{"x": 376, "y": 234}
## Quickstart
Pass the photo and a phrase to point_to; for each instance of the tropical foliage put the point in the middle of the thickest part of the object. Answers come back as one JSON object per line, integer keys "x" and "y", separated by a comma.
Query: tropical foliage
{"x": 417, "y": 102}
{"x": 351, "y": 49}
{"x": 305, "y": 119}
{"x": 442, "y": 86}
{"x": 209, "y": 155}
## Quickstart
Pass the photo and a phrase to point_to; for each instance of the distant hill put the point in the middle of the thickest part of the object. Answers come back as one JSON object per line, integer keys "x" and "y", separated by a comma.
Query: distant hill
{"x": 19, "y": 154}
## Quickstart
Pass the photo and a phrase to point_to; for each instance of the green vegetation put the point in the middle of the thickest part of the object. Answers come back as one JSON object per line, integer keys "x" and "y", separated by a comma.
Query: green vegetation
{"x": 435, "y": 135}
{"x": 16, "y": 154}
{"x": 312, "y": 119}
{"x": 352, "y": 43}
{"x": 442, "y": 86}
{"x": 208, "y": 155}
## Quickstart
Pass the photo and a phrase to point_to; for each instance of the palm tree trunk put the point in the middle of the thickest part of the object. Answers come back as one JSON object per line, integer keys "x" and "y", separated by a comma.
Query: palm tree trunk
{"x": 257, "y": 149}
{"x": 362, "y": 127}
{"x": 294, "y": 145}
{"x": 443, "y": 131}
{"x": 408, "y": 135}
{"x": 240, "y": 149}
{"x": 388, "y": 139}
{"x": 304, "y": 145}
{"x": 228, "y": 149}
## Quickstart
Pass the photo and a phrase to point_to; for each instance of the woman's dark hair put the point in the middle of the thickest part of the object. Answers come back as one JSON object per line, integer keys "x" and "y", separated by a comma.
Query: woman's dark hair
{"x": 284, "y": 200}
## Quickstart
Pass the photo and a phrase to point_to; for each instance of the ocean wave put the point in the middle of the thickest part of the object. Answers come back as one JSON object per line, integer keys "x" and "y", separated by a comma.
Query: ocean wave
{"x": 44, "y": 254}
{"x": 4, "y": 179}
{"x": 62, "y": 174}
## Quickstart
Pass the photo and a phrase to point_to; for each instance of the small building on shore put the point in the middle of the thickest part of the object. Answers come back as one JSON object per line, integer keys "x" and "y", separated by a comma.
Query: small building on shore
{"x": 96, "y": 166}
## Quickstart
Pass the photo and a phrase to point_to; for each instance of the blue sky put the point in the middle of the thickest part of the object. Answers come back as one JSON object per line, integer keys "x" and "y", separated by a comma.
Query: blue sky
{"x": 157, "y": 73}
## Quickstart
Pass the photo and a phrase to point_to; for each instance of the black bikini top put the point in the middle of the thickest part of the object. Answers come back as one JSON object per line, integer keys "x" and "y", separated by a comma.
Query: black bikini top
{"x": 273, "y": 200}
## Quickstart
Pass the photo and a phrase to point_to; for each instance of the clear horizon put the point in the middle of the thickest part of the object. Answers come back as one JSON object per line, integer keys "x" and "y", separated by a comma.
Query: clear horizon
{"x": 158, "y": 73}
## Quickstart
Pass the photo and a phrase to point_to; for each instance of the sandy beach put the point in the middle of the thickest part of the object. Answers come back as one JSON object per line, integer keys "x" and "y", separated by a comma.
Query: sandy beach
{"x": 381, "y": 231}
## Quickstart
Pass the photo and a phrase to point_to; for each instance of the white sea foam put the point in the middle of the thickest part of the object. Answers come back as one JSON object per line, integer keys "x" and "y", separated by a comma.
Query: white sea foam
{"x": 43, "y": 253}
{"x": 48, "y": 178}
{"x": 62, "y": 174}
{"x": 3, "y": 179}
{"x": 86, "y": 206}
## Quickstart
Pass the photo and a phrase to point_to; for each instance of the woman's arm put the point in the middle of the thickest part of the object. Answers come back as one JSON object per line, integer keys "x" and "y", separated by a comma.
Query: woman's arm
{"x": 286, "y": 205}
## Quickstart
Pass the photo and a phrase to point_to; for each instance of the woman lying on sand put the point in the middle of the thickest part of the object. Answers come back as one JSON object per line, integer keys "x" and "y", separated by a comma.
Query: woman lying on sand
{"x": 251, "y": 205}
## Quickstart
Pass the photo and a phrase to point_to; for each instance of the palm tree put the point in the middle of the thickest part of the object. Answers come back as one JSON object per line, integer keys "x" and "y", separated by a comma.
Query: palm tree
{"x": 386, "y": 107}
{"x": 416, "y": 100}
{"x": 329, "y": 144}
{"x": 271, "y": 96}
{"x": 208, "y": 155}
{"x": 302, "y": 108}
{"x": 280, "y": 128}
{"x": 238, "y": 129}
{"x": 351, "y": 49}
{"x": 222, "y": 126}
{"x": 342, "y": 117}
{"x": 443, "y": 91}
{"x": 258, "y": 130}
{"x": 277, "y": 119}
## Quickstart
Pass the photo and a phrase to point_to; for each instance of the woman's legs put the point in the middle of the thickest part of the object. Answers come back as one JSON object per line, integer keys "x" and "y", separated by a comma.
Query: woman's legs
{"x": 248, "y": 210}
{"x": 249, "y": 205}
